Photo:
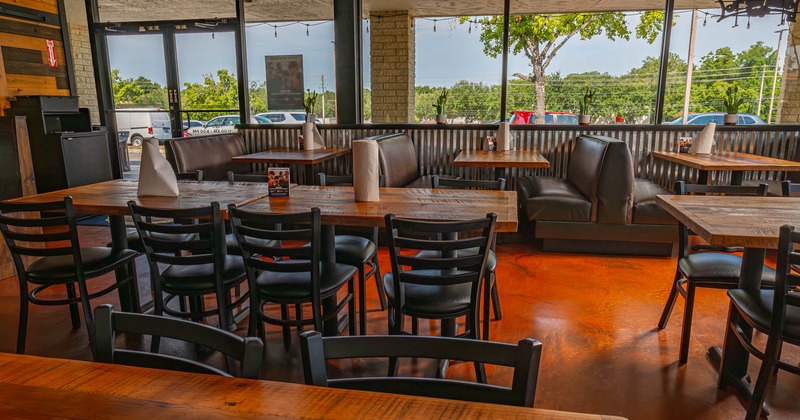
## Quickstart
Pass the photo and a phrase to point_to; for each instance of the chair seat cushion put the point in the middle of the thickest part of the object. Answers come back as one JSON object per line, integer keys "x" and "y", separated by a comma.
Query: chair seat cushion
{"x": 426, "y": 181}
{"x": 354, "y": 250}
{"x": 200, "y": 278}
{"x": 277, "y": 285}
{"x": 59, "y": 269}
{"x": 555, "y": 199}
{"x": 491, "y": 262}
{"x": 718, "y": 267}
{"x": 233, "y": 245}
{"x": 758, "y": 309}
{"x": 645, "y": 209}
{"x": 429, "y": 299}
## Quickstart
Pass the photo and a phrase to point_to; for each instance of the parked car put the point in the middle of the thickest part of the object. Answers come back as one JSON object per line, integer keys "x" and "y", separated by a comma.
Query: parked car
{"x": 550, "y": 117}
{"x": 284, "y": 117}
{"x": 187, "y": 124}
{"x": 223, "y": 124}
{"x": 717, "y": 117}
{"x": 144, "y": 123}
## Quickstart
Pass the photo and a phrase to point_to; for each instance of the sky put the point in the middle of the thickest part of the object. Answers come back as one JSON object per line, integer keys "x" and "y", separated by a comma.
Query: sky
{"x": 443, "y": 57}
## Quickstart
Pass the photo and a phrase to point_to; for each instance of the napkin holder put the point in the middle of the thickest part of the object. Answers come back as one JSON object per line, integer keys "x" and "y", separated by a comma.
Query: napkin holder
{"x": 704, "y": 142}
{"x": 156, "y": 177}
{"x": 505, "y": 140}
{"x": 366, "y": 171}
{"x": 312, "y": 140}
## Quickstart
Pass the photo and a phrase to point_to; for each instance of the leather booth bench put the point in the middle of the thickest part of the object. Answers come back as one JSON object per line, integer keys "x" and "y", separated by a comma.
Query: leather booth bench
{"x": 399, "y": 163}
{"x": 210, "y": 154}
{"x": 599, "y": 207}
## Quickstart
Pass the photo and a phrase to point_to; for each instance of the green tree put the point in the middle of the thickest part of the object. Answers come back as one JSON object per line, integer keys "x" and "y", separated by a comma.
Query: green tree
{"x": 214, "y": 93}
{"x": 137, "y": 92}
{"x": 540, "y": 37}
{"x": 473, "y": 101}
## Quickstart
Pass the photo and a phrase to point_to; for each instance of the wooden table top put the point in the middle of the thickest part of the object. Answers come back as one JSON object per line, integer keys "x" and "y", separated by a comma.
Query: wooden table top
{"x": 501, "y": 159}
{"x": 729, "y": 161}
{"x": 35, "y": 387}
{"x": 287, "y": 156}
{"x": 111, "y": 197}
{"x": 751, "y": 222}
{"x": 338, "y": 206}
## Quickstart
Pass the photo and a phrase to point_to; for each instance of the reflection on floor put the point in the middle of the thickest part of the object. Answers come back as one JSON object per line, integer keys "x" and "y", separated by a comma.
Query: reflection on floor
{"x": 595, "y": 315}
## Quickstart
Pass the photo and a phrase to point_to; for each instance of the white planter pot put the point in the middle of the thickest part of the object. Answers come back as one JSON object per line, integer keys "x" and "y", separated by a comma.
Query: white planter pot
{"x": 311, "y": 118}
{"x": 584, "y": 119}
{"x": 731, "y": 119}
{"x": 441, "y": 119}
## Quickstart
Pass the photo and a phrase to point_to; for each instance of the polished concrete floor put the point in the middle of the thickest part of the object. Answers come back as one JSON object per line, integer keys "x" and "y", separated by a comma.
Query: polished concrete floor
{"x": 595, "y": 315}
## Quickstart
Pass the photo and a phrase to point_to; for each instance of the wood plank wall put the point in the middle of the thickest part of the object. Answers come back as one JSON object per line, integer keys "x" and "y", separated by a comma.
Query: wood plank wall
{"x": 24, "y": 68}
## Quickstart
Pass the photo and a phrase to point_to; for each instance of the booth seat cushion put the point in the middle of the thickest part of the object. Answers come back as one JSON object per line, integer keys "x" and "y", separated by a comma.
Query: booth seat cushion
{"x": 211, "y": 154}
{"x": 555, "y": 199}
{"x": 645, "y": 209}
{"x": 398, "y": 160}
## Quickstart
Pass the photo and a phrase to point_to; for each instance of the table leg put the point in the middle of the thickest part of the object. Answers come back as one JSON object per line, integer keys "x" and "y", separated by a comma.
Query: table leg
{"x": 500, "y": 173}
{"x": 734, "y": 358}
{"x": 737, "y": 177}
{"x": 702, "y": 177}
{"x": 129, "y": 293}
{"x": 328, "y": 257}
{"x": 309, "y": 175}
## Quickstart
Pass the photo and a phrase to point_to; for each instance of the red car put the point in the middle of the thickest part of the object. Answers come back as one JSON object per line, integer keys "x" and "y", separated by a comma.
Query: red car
{"x": 527, "y": 117}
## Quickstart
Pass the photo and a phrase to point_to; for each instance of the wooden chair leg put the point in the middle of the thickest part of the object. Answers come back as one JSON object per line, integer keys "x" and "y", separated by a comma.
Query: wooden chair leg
{"x": 673, "y": 296}
{"x": 498, "y": 313}
{"x": 287, "y": 331}
{"x": 298, "y": 313}
{"x": 74, "y": 312}
{"x": 414, "y": 325}
{"x": 768, "y": 365}
{"x": 486, "y": 309}
{"x": 223, "y": 311}
{"x": 379, "y": 282}
{"x": 351, "y": 309}
{"x": 362, "y": 303}
{"x": 687, "y": 323}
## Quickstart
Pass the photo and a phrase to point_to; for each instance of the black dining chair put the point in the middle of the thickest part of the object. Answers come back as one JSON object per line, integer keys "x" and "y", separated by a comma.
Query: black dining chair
{"x": 195, "y": 268}
{"x": 51, "y": 236}
{"x": 713, "y": 270}
{"x": 234, "y": 177}
{"x": 360, "y": 252}
{"x": 774, "y": 312}
{"x": 247, "y": 351}
{"x": 289, "y": 272}
{"x": 443, "y": 285}
{"x": 491, "y": 264}
{"x": 524, "y": 357}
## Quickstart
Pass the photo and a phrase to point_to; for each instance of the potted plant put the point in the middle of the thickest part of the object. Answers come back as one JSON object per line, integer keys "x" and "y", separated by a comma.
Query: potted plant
{"x": 308, "y": 104}
{"x": 732, "y": 103}
{"x": 441, "y": 117}
{"x": 583, "y": 116}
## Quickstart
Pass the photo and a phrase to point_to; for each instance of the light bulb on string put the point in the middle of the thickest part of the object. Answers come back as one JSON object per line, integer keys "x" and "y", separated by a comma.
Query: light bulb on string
{"x": 705, "y": 20}
{"x": 306, "y": 29}
{"x": 276, "y": 31}
{"x": 367, "y": 25}
{"x": 434, "y": 25}
{"x": 748, "y": 22}
{"x": 470, "y": 27}
{"x": 212, "y": 35}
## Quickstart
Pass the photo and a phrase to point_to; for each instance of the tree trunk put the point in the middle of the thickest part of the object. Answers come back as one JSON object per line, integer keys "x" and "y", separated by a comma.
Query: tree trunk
{"x": 538, "y": 85}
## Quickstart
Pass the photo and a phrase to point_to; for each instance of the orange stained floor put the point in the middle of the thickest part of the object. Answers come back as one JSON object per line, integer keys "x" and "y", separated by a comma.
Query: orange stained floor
{"x": 595, "y": 315}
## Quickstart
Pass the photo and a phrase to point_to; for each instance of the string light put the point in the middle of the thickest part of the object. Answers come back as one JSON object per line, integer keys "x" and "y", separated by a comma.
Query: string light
{"x": 470, "y": 27}
{"x": 306, "y": 29}
{"x": 434, "y": 25}
{"x": 748, "y": 22}
{"x": 705, "y": 20}
{"x": 367, "y": 20}
{"x": 276, "y": 32}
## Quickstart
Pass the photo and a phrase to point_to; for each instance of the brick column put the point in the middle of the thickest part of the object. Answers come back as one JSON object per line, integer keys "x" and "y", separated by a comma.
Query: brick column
{"x": 789, "y": 103}
{"x": 82, "y": 57}
{"x": 392, "y": 65}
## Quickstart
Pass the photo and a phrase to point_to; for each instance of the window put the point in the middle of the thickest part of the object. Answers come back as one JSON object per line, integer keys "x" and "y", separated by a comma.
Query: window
{"x": 299, "y": 117}
{"x": 216, "y": 122}
{"x": 276, "y": 118}
{"x": 231, "y": 121}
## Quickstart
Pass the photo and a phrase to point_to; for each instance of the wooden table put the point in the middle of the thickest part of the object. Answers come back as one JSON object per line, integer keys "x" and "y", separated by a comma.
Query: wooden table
{"x": 737, "y": 163}
{"x": 499, "y": 160}
{"x": 289, "y": 156}
{"x": 111, "y": 198}
{"x": 750, "y": 222}
{"x": 35, "y": 387}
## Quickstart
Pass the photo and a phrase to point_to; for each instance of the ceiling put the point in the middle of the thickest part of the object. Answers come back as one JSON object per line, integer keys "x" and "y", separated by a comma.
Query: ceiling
{"x": 307, "y": 10}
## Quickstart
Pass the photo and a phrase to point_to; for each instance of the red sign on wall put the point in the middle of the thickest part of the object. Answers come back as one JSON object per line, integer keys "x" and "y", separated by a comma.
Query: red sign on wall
{"x": 51, "y": 53}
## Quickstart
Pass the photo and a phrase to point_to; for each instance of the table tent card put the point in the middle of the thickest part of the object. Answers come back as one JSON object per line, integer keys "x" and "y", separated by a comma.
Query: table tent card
{"x": 505, "y": 141}
{"x": 704, "y": 142}
{"x": 312, "y": 140}
{"x": 278, "y": 184}
{"x": 366, "y": 171}
{"x": 156, "y": 177}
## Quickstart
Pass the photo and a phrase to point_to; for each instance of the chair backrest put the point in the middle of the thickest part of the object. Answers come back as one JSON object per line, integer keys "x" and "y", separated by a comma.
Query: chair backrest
{"x": 682, "y": 188}
{"x": 449, "y": 267}
{"x": 234, "y": 177}
{"x": 786, "y": 280}
{"x": 789, "y": 189}
{"x": 288, "y": 253}
{"x": 248, "y": 351}
{"x": 204, "y": 232}
{"x": 343, "y": 180}
{"x": 44, "y": 236}
{"x": 523, "y": 357}
{"x": 397, "y": 158}
{"x": 468, "y": 184}
{"x": 191, "y": 176}
{"x": 212, "y": 154}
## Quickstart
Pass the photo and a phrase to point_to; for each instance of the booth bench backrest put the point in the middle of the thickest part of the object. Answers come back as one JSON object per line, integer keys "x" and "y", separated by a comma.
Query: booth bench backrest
{"x": 211, "y": 154}
{"x": 397, "y": 158}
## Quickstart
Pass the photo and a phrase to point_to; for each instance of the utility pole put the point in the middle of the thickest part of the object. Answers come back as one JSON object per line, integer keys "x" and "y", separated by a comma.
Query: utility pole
{"x": 323, "y": 99}
{"x": 775, "y": 75}
{"x": 687, "y": 94}
{"x": 761, "y": 90}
